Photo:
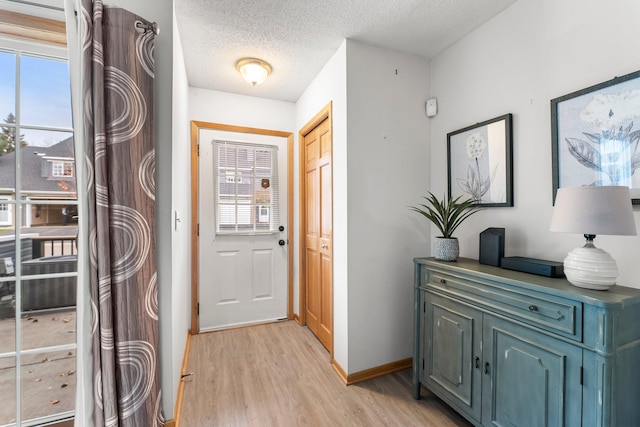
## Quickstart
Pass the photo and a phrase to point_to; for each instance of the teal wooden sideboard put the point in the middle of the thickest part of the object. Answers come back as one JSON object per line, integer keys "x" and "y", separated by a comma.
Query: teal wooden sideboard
{"x": 506, "y": 348}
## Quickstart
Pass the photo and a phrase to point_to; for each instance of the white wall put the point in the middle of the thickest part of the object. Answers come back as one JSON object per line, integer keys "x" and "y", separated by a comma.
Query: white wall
{"x": 380, "y": 165}
{"x": 181, "y": 235}
{"x": 240, "y": 110}
{"x": 531, "y": 53}
{"x": 330, "y": 85}
{"x": 388, "y": 170}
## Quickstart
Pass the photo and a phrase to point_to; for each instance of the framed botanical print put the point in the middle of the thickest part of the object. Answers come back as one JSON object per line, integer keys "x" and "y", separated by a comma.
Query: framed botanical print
{"x": 595, "y": 136}
{"x": 480, "y": 162}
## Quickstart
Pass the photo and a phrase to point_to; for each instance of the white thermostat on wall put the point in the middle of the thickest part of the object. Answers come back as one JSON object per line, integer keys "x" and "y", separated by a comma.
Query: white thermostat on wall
{"x": 431, "y": 107}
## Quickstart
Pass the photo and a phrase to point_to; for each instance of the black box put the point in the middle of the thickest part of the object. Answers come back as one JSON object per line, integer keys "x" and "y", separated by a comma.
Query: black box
{"x": 540, "y": 267}
{"x": 492, "y": 246}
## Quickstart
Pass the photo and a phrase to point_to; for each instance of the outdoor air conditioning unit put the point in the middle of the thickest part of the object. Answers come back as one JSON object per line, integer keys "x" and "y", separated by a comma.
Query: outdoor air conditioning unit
{"x": 6, "y": 266}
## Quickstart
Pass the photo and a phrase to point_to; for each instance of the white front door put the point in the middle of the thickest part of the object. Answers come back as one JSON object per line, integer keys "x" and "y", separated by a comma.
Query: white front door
{"x": 242, "y": 276}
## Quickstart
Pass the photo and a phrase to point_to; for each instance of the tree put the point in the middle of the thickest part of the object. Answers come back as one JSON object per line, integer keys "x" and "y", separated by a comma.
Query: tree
{"x": 8, "y": 136}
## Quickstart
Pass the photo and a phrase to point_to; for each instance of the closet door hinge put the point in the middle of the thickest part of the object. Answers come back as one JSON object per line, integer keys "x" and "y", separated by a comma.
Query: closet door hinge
{"x": 198, "y": 309}
{"x": 581, "y": 375}
{"x": 198, "y": 229}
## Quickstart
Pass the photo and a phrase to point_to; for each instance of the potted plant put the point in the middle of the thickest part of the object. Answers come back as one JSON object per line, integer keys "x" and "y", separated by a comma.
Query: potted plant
{"x": 447, "y": 215}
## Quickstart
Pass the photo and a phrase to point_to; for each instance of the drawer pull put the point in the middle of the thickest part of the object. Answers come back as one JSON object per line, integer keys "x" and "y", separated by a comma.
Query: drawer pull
{"x": 443, "y": 281}
{"x": 486, "y": 368}
{"x": 477, "y": 362}
{"x": 533, "y": 308}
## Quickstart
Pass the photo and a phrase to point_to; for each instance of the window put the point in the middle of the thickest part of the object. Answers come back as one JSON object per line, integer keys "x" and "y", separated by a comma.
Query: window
{"x": 62, "y": 169}
{"x": 38, "y": 291}
{"x": 246, "y": 186}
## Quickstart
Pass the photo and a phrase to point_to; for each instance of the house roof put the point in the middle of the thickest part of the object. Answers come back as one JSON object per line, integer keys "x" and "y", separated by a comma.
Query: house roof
{"x": 31, "y": 159}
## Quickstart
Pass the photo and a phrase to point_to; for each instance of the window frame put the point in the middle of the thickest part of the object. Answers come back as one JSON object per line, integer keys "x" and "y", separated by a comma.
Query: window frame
{"x": 237, "y": 175}
{"x": 63, "y": 165}
{"x": 22, "y": 202}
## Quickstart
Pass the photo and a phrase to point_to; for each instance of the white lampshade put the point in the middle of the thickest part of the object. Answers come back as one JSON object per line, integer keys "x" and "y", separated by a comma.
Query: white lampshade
{"x": 594, "y": 210}
{"x": 253, "y": 70}
{"x": 591, "y": 211}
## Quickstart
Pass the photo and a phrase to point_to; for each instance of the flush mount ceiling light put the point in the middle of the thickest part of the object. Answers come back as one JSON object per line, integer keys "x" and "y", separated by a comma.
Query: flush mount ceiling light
{"x": 253, "y": 70}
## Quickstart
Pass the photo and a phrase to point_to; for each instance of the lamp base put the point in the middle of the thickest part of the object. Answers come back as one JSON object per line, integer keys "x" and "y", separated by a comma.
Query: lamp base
{"x": 590, "y": 268}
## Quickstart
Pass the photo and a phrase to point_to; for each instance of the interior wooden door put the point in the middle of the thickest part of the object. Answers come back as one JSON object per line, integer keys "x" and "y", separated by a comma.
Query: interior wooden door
{"x": 318, "y": 232}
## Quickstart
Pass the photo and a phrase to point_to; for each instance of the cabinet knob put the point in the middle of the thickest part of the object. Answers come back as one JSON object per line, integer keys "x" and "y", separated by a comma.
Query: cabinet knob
{"x": 477, "y": 362}
{"x": 486, "y": 368}
{"x": 443, "y": 281}
{"x": 533, "y": 308}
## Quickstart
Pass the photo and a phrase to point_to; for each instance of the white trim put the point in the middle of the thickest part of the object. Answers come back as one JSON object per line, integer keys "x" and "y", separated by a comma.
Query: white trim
{"x": 84, "y": 382}
{"x": 47, "y": 128}
{"x": 33, "y": 47}
{"x": 57, "y": 159}
{"x": 51, "y": 194}
{"x": 50, "y": 9}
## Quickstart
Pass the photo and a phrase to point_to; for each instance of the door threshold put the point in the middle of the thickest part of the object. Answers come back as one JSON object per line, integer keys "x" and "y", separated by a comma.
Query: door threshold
{"x": 240, "y": 326}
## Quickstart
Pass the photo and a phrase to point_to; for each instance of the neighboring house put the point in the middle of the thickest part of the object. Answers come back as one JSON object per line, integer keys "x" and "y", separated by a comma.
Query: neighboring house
{"x": 48, "y": 174}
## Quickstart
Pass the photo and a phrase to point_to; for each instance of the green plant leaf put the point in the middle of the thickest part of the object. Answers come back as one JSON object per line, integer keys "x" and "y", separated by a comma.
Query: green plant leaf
{"x": 446, "y": 214}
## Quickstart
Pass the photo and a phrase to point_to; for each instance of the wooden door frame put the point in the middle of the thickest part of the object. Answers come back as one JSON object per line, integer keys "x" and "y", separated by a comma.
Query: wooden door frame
{"x": 325, "y": 113}
{"x": 195, "y": 252}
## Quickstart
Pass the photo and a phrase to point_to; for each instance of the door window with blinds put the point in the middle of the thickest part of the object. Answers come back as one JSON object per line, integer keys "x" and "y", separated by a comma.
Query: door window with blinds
{"x": 246, "y": 188}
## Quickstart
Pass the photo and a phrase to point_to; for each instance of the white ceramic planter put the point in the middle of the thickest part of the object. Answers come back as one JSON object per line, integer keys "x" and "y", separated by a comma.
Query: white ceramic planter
{"x": 445, "y": 249}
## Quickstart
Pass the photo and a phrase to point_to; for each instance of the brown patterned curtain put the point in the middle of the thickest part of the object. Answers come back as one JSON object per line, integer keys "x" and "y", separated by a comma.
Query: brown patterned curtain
{"x": 117, "y": 87}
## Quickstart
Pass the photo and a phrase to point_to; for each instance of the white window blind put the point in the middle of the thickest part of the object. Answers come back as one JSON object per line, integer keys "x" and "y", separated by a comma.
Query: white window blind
{"x": 246, "y": 188}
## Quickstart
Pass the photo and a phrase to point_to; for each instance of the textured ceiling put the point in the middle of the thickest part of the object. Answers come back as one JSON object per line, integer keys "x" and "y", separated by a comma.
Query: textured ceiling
{"x": 297, "y": 37}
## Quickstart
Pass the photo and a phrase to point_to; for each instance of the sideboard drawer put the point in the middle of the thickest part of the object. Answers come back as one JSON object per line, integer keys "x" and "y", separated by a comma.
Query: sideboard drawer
{"x": 549, "y": 312}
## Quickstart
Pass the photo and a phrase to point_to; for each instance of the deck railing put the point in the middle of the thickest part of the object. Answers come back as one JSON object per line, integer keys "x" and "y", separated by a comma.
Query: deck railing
{"x": 43, "y": 246}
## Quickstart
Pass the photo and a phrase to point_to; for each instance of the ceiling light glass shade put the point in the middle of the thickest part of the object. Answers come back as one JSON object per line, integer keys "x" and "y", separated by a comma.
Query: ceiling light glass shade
{"x": 591, "y": 211}
{"x": 254, "y": 71}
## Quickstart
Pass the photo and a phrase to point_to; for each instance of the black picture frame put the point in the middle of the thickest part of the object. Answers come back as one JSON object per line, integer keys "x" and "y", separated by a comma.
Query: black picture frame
{"x": 480, "y": 162}
{"x": 595, "y": 136}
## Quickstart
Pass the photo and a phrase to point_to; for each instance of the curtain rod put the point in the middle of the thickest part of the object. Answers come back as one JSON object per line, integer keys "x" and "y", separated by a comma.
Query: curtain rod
{"x": 148, "y": 27}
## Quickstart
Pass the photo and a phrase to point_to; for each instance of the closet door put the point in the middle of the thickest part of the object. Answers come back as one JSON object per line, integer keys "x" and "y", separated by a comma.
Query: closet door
{"x": 318, "y": 232}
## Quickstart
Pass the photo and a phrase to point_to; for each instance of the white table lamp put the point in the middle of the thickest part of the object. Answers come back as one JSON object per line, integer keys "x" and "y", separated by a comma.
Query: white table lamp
{"x": 591, "y": 211}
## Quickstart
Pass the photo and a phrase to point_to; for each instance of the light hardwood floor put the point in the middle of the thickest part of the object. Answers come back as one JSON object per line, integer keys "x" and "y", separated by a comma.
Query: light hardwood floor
{"x": 279, "y": 374}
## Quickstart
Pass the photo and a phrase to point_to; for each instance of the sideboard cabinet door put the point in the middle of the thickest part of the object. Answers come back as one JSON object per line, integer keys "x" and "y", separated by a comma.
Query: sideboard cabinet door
{"x": 530, "y": 379}
{"x": 452, "y": 345}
